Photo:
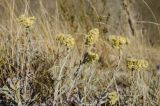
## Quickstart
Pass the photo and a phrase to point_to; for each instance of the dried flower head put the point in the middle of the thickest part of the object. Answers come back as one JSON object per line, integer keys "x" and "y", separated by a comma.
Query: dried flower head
{"x": 92, "y": 36}
{"x": 118, "y": 41}
{"x": 136, "y": 64}
{"x": 90, "y": 57}
{"x": 113, "y": 98}
{"x": 26, "y": 21}
{"x": 69, "y": 41}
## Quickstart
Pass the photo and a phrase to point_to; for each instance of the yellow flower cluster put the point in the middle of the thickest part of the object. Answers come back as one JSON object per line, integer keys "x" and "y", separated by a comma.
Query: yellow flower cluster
{"x": 136, "y": 64}
{"x": 66, "y": 40}
{"x": 60, "y": 38}
{"x": 69, "y": 42}
{"x": 92, "y": 36}
{"x": 113, "y": 98}
{"x": 26, "y": 21}
{"x": 118, "y": 41}
{"x": 90, "y": 57}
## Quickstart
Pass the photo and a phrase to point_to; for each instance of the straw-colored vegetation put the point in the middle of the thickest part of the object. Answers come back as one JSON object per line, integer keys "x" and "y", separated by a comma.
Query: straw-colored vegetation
{"x": 70, "y": 55}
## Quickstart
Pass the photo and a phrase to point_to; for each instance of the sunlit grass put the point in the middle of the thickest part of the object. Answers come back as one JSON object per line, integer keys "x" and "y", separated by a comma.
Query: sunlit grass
{"x": 69, "y": 58}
